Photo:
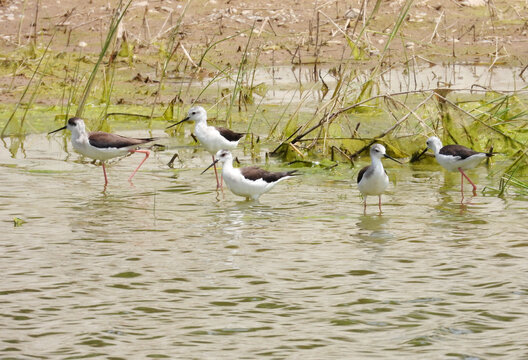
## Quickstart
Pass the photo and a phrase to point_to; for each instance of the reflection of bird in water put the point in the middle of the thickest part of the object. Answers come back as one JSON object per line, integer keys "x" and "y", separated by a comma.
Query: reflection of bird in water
{"x": 101, "y": 145}
{"x": 373, "y": 179}
{"x": 249, "y": 182}
{"x": 374, "y": 228}
{"x": 456, "y": 158}
{"x": 212, "y": 138}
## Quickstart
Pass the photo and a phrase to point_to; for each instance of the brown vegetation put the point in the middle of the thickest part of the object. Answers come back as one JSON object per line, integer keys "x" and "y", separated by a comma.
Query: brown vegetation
{"x": 286, "y": 31}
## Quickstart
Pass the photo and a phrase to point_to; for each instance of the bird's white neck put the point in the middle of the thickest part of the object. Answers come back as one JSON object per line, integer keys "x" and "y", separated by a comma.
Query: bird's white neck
{"x": 376, "y": 164}
{"x": 200, "y": 121}
{"x": 79, "y": 135}
{"x": 227, "y": 165}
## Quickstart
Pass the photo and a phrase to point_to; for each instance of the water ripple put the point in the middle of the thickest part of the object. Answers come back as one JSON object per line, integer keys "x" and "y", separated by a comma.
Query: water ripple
{"x": 170, "y": 268}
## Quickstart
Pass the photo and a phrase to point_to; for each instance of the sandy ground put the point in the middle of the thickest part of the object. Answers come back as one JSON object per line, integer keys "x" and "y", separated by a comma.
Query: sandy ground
{"x": 285, "y": 31}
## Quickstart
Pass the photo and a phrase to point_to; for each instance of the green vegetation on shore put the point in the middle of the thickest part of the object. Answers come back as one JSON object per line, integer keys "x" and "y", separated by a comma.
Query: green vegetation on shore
{"x": 119, "y": 86}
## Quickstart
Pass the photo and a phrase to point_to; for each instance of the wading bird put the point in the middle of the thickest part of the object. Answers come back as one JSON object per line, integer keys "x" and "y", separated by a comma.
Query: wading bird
{"x": 212, "y": 138}
{"x": 101, "y": 145}
{"x": 456, "y": 158}
{"x": 249, "y": 182}
{"x": 373, "y": 179}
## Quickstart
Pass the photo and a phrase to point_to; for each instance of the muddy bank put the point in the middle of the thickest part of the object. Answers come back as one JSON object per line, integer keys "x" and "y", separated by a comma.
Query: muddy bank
{"x": 285, "y": 31}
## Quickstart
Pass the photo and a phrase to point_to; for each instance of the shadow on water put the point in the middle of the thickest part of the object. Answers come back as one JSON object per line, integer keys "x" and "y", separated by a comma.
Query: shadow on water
{"x": 109, "y": 214}
{"x": 374, "y": 228}
{"x": 241, "y": 213}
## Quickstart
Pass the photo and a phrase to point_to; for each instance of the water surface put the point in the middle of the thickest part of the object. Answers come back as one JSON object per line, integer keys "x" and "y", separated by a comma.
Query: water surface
{"x": 169, "y": 268}
{"x": 298, "y": 84}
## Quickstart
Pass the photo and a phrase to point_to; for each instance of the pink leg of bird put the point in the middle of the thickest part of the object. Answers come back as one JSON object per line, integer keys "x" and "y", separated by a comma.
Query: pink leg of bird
{"x": 468, "y": 179}
{"x": 379, "y": 203}
{"x": 104, "y": 172}
{"x": 147, "y": 154}
{"x": 218, "y": 185}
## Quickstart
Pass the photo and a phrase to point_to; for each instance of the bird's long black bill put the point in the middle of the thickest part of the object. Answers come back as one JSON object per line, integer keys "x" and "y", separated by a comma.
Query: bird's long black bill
{"x": 178, "y": 123}
{"x": 417, "y": 157}
{"x": 393, "y": 159}
{"x": 54, "y": 131}
{"x": 210, "y": 166}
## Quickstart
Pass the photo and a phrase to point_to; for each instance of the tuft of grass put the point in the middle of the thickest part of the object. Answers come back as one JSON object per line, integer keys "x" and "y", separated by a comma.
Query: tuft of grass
{"x": 171, "y": 48}
{"x": 509, "y": 178}
{"x": 239, "y": 78}
{"x": 118, "y": 15}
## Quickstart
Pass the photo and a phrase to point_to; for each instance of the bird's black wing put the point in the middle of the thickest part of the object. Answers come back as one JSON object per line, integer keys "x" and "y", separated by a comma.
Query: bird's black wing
{"x": 361, "y": 173}
{"x": 230, "y": 135}
{"x": 458, "y": 150}
{"x": 254, "y": 173}
{"x": 101, "y": 139}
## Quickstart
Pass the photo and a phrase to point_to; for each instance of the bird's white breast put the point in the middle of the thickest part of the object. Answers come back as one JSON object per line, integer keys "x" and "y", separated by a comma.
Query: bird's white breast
{"x": 375, "y": 183}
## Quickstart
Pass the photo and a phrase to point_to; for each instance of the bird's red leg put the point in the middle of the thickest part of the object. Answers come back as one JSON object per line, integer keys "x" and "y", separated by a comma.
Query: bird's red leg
{"x": 218, "y": 186}
{"x": 461, "y": 181}
{"x": 379, "y": 203}
{"x": 468, "y": 179}
{"x": 147, "y": 154}
{"x": 104, "y": 172}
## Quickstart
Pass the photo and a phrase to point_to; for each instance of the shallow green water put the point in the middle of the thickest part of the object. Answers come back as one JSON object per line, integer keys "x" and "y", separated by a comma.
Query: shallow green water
{"x": 169, "y": 268}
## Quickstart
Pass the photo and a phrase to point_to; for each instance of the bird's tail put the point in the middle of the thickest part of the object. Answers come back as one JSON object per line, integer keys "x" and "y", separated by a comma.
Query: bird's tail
{"x": 147, "y": 143}
{"x": 293, "y": 173}
{"x": 147, "y": 140}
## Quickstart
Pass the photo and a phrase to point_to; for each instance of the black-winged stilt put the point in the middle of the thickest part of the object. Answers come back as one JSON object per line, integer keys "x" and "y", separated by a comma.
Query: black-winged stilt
{"x": 101, "y": 145}
{"x": 212, "y": 138}
{"x": 249, "y": 182}
{"x": 373, "y": 179}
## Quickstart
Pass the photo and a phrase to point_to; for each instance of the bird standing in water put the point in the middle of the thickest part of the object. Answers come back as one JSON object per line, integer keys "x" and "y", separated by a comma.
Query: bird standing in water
{"x": 212, "y": 138}
{"x": 456, "y": 158}
{"x": 373, "y": 179}
{"x": 249, "y": 182}
{"x": 101, "y": 145}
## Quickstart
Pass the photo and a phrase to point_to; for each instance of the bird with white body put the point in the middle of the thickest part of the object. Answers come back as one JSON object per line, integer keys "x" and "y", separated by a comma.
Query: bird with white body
{"x": 211, "y": 138}
{"x": 456, "y": 158}
{"x": 373, "y": 179}
{"x": 103, "y": 146}
{"x": 249, "y": 182}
